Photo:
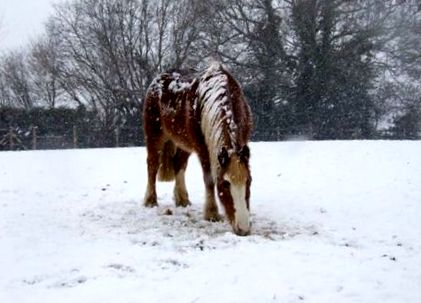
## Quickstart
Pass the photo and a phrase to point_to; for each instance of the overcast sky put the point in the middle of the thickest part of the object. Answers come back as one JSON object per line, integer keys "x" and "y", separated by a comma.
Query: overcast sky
{"x": 20, "y": 20}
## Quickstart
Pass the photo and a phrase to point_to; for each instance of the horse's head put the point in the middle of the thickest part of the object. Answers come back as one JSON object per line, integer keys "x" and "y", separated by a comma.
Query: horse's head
{"x": 233, "y": 187}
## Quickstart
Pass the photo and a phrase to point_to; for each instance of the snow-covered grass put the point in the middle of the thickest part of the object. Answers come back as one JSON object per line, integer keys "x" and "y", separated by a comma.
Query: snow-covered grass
{"x": 332, "y": 222}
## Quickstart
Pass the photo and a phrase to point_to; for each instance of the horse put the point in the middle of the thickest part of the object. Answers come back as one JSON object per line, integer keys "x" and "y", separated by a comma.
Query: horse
{"x": 205, "y": 113}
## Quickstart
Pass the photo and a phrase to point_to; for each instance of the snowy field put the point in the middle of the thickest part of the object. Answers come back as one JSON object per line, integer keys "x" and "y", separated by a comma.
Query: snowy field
{"x": 332, "y": 222}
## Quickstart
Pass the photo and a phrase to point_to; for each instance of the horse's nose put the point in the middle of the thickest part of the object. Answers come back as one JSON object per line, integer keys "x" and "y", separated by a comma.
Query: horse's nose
{"x": 241, "y": 231}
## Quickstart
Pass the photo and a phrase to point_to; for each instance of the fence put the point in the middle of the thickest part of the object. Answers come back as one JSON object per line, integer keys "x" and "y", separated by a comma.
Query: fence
{"x": 15, "y": 138}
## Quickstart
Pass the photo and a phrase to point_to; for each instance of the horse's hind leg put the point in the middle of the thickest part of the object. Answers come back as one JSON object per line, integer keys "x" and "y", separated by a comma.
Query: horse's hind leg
{"x": 150, "y": 199}
{"x": 181, "y": 197}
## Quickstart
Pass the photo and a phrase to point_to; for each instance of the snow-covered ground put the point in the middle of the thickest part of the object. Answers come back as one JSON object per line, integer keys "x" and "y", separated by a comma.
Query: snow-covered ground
{"x": 332, "y": 222}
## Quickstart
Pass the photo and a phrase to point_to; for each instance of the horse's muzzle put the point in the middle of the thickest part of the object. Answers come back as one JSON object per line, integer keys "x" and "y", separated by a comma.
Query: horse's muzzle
{"x": 242, "y": 232}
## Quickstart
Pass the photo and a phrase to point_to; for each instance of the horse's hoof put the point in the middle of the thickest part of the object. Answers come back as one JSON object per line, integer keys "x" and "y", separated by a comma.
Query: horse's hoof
{"x": 182, "y": 203}
{"x": 150, "y": 204}
{"x": 214, "y": 217}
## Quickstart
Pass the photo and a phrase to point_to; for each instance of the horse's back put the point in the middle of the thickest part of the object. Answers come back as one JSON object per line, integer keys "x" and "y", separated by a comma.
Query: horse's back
{"x": 174, "y": 102}
{"x": 168, "y": 108}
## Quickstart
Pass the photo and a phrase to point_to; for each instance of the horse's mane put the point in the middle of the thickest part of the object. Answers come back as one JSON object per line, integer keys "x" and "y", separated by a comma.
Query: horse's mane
{"x": 217, "y": 90}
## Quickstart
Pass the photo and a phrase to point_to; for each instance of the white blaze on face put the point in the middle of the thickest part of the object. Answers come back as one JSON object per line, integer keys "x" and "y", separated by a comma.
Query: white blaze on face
{"x": 242, "y": 214}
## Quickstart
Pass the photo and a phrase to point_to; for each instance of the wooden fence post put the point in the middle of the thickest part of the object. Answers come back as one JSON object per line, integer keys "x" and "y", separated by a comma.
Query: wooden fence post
{"x": 11, "y": 139}
{"x": 34, "y": 137}
{"x": 74, "y": 136}
{"x": 117, "y": 136}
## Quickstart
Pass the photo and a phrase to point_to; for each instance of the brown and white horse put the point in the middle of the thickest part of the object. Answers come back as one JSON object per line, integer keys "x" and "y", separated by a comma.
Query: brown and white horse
{"x": 208, "y": 115}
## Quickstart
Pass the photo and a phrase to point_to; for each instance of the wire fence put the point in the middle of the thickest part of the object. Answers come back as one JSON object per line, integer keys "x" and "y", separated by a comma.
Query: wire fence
{"x": 15, "y": 138}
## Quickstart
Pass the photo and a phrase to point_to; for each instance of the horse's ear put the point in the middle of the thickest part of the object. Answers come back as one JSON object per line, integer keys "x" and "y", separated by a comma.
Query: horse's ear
{"x": 245, "y": 153}
{"x": 223, "y": 157}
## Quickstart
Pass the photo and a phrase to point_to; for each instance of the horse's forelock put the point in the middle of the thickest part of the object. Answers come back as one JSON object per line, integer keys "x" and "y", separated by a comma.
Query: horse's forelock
{"x": 237, "y": 171}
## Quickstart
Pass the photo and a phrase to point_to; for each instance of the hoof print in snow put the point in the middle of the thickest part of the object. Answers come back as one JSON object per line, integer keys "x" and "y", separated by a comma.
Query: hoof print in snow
{"x": 172, "y": 263}
{"x": 32, "y": 281}
{"x": 200, "y": 245}
{"x": 105, "y": 187}
{"x": 121, "y": 268}
{"x": 391, "y": 258}
{"x": 70, "y": 282}
{"x": 168, "y": 212}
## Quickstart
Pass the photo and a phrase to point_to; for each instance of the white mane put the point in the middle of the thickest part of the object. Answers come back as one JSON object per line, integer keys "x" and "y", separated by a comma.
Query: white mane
{"x": 216, "y": 112}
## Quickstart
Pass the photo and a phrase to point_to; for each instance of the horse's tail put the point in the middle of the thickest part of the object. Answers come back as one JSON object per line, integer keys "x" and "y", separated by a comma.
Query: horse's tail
{"x": 166, "y": 170}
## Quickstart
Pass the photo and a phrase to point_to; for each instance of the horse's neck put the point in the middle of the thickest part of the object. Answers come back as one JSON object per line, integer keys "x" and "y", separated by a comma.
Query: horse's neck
{"x": 217, "y": 122}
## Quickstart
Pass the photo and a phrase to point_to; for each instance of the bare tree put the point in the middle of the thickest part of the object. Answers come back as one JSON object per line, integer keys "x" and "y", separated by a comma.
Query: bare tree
{"x": 43, "y": 64}
{"x": 16, "y": 80}
{"x": 324, "y": 67}
{"x": 189, "y": 26}
{"x": 5, "y": 99}
{"x": 252, "y": 37}
{"x": 100, "y": 54}
{"x": 110, "y": 51}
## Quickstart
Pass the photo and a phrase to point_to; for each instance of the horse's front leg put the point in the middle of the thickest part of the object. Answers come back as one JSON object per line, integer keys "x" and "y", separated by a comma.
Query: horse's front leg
{"x": 211, "y": 208}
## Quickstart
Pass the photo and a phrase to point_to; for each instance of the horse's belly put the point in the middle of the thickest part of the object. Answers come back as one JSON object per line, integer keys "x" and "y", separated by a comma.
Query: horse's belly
{"x": 177, "y": 132}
